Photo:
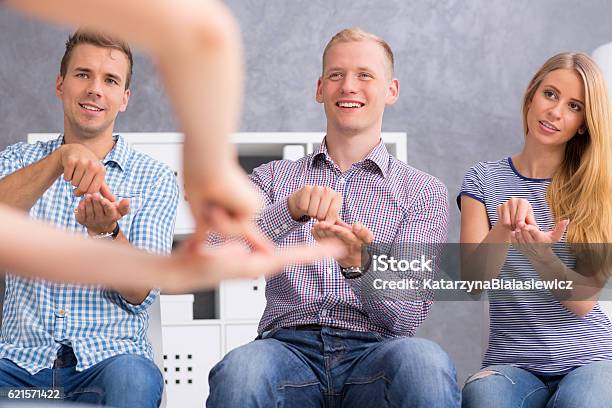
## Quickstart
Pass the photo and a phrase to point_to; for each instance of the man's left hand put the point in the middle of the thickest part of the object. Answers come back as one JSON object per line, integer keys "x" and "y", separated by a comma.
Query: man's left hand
{"x": 100, "y": 214}
{"x": 353, "y": 237}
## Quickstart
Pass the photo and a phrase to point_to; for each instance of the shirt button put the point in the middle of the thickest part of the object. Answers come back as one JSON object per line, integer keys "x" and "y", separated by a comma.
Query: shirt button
{"x": 276, "y": 231}
{"x": 61, "y": 312}
{"x": 329, "y": 271}
{"x": 324, "y": 313}
{"x": 342, "y": 180}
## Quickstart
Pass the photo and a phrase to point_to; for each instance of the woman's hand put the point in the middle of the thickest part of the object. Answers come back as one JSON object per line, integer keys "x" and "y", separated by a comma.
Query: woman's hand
{"x": 516, "y": 213}
{"x": 534, "y": 243}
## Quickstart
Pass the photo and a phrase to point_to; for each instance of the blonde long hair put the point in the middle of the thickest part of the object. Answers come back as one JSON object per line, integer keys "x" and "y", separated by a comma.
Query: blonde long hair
{"x": 581, "y": 189}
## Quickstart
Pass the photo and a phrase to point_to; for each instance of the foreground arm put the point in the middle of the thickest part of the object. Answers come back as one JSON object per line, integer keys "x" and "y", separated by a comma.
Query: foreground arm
{"x": 69, "y": 258}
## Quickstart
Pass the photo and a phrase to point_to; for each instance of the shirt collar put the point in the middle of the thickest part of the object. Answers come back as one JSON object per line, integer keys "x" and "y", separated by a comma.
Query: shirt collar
{"x": 379, "y": 156}
{"x": 119, "y": 153}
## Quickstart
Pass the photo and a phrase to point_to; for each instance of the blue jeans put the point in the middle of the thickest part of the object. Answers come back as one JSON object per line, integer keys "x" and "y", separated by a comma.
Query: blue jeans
{"x": 120, "y": 381}
{"x": 504, "y": 386}
{"x": 334, "y": 368}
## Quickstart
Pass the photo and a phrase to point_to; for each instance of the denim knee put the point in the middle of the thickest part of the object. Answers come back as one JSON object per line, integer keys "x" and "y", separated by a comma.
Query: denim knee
{"x": 261, "y": 373}
{"x": 427, "y": 355}
{"x": 501, "y": 386}
{"x": 586, "y": 386}
{"x": 424, "y": 375}
{"x": 132, "y": 378}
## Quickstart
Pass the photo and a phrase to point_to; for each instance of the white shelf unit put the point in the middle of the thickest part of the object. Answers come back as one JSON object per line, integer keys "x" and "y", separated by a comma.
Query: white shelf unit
{"x": 192, "y": 347}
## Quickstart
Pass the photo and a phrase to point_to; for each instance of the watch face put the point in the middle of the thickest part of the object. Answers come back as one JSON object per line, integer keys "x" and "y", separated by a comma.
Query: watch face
{"x": 351, "y": 273}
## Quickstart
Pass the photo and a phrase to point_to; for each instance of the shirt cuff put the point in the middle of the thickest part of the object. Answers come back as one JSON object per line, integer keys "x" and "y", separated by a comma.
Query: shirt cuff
{"x": 276, "y": 222}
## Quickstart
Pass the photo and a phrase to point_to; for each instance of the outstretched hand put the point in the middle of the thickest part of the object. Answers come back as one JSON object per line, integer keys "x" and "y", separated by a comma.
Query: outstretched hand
{"x": 532, "y": 242}
{"x": 353, "y": 238}
{"x": 100, "y": 213}
{"x": 195, "y": 265}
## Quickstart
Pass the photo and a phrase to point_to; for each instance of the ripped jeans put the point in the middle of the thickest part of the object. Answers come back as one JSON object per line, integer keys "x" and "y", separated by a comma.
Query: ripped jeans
{"x": 328, "y": 367}
{"x": 505, "y": 386}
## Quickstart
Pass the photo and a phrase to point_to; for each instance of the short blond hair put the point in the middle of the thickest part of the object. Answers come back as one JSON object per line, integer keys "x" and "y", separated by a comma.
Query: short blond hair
{"x": 357, "y": 34}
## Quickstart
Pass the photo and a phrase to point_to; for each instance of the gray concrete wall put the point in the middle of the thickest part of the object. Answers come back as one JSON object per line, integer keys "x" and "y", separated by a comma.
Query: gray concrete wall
{"x": 462, "y": 66}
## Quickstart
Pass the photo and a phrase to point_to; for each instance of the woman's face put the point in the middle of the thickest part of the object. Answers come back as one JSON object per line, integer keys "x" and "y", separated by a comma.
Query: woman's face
{"x": 556, "y": 111}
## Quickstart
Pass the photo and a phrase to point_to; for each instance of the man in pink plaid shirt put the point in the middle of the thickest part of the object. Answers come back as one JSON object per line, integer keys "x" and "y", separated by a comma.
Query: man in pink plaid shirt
{"x": 328, "y": 337}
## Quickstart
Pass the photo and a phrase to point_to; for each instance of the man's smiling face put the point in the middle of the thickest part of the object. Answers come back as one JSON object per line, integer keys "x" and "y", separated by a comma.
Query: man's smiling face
{"x": 355, "y": 87}
{"x": 93, "y": 90}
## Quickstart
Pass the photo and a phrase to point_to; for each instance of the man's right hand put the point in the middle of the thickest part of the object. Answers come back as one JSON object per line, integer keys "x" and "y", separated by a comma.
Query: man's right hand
{"x": 321, "y": 203}
{"x": 82, "y": 168}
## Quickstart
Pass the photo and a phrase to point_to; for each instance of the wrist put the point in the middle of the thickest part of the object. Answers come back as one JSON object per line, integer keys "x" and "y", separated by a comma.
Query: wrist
{"x": 350, "y": 262}
{"x": 363, "y": 261}
{"x": 294, "y": 213}
{"x": 502, "y": 233}
{"x": 543, "y": 256}
{"x": 110, "y": 231}
{"x": 56, "y": 157}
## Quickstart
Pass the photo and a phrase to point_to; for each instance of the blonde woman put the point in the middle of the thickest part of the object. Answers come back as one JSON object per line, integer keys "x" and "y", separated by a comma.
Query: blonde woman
{"x": 547, "y": 348}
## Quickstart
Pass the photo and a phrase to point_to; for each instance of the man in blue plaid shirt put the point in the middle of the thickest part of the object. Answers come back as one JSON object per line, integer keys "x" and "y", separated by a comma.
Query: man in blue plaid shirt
{"x": 88, "y": 341}
{"x": 327, "y": 338}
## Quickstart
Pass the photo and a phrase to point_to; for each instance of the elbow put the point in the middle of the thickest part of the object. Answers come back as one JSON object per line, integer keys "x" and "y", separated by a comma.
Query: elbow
{"x": 211, "y": 34}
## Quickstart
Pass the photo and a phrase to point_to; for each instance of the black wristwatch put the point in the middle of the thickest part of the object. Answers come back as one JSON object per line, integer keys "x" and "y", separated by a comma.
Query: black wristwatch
{"x": 354, "y": 272}
{"x": 111, "y": 236}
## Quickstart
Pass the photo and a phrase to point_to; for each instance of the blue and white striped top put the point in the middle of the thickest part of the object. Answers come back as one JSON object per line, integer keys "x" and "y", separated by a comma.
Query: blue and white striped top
{"x": 528, "y": 329}
{"x": 98, "y": 323}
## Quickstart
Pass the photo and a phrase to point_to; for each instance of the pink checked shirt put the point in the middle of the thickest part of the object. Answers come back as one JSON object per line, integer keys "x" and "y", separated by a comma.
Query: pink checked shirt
{"x": 398, "y": 203}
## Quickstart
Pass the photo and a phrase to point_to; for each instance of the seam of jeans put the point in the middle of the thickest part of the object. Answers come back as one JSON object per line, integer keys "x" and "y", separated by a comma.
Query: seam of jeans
{"x": 390, "y": 403}
{"x": 531, "y": 393}
{"x": 368, "y": 380}
{"x": 555, "y": 397}
{"x": 378, "y": 336}
{"x": 89, "y": 390}
{"x": 328, "y": 375}
{"x": 294, "y": 385}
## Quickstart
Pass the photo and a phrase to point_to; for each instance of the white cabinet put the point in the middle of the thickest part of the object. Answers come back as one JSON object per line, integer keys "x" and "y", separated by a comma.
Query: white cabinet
{"x": 192, "y": 347}
{"x": 237, "y": 334}
{"x": 242, "y": 299}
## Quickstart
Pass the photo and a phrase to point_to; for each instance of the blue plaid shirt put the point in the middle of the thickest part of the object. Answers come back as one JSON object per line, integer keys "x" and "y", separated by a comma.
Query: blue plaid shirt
{"x": 398, "y": 203}
{"x": 40, "y": 316}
